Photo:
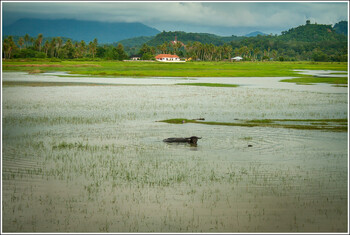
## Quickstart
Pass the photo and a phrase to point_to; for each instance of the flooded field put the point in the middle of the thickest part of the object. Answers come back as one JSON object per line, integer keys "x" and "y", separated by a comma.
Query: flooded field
{"x": 91, "y": 158}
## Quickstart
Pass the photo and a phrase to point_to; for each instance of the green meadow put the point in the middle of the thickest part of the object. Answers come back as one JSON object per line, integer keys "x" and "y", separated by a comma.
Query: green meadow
{"x": 159, "y": 69}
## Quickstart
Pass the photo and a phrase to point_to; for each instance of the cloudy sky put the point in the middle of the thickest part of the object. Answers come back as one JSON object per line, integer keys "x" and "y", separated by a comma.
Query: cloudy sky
{"x": 222, "y": 18}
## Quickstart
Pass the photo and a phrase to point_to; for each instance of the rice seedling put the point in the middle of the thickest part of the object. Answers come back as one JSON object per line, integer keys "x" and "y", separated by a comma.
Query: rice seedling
{"x": 97, "y": 153}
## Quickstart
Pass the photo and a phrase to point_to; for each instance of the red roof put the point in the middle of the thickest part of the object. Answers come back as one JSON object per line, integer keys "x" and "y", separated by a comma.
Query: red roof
{"x": 160, "y": 56}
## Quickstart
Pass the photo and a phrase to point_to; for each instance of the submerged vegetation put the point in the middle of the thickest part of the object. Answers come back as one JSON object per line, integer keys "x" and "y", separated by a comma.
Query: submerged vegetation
{"x": 302, "y": 124}
{"x": 313, "y": 80}
{"x": 92, "y": 159}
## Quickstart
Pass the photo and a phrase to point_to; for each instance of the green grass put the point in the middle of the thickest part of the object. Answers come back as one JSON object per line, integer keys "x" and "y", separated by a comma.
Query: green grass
{"x": 313, "y": 80}
{"x": 302, "y": 124}
{"x": 159, "y": 69}
{"x": 208, "y": 84}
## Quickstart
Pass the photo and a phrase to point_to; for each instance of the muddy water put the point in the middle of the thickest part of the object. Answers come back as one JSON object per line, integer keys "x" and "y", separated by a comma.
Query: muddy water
{"x": 91, "y": 159}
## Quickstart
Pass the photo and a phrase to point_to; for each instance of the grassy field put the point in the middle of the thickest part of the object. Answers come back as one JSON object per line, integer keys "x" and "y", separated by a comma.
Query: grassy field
{"x": 159, "y": 69}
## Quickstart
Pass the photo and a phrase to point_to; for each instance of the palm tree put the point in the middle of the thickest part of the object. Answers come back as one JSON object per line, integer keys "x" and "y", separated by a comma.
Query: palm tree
{"x": 31, "y": 40}
{"x": 227, "y": 49}
{"x": 46, "y": 47}
{"x": 59, "y": 43}
{"x": 8, "y": 46}
{"x": 163, "y": 48}
{"x": 274, "y": 54}
{"x": 69, "y": 48}
{"x": 93, "y": 47}
{"x": 26, "y": 39}
{"x": 20, "y": 42}
{"x": 82, "y": 48}
{"x": 256, "y": 53}
{"x": 39, "y": 40}
{"x": 52, "y": 47}
{"x": 243, "y": 51}
{"x": 5, "y": 45}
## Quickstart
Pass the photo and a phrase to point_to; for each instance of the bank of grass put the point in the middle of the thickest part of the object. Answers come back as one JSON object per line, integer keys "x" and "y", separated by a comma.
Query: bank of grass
{"x": 208, "y": 84}
{"x": 159, "y": 69}
{"x": 313, "y": 80}
{"x": 338, "y": 125}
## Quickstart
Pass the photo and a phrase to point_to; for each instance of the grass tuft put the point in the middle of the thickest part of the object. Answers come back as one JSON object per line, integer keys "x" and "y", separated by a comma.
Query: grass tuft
{"x": 301, "y": 124}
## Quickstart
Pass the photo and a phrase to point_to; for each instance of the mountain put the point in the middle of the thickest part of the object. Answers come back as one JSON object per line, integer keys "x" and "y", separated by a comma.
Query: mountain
{"x": 256, "y": 33}
{"x": 341, "y": 27}
{"x": 312, "y": 33}
{"x": 134, "y": 42}
{"x": 190, "y": 37}
{"x": 79, "y": 30}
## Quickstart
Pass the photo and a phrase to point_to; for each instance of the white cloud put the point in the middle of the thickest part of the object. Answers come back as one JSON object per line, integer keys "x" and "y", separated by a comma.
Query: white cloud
{"x": 192, "y": 14}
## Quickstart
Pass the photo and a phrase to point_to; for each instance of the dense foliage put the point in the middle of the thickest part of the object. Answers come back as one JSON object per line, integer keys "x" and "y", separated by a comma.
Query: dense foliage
{"x": 29, "y": 47}
{"x": 306, "y": 42}
{"x": 341, "y": 27}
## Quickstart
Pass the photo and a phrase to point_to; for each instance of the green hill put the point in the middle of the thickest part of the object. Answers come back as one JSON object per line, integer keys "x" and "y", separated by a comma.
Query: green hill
{"x": 341, "y": 27}
{"x": 190, "y": 37}
{"x": 135, "y": 42}
{"x": 312, "y": 33}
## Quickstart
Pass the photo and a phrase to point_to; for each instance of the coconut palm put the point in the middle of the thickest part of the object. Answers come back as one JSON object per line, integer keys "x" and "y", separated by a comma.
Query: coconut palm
{"x": 26, "y": 39}
{"x": 46, "y": 47}
{"x": 21, "y": 42}
{"x": 82, "y": 48}
{"x": 93, "y": 47}
{"x": 38, "y": 41}
{"x": 8, "y": 47}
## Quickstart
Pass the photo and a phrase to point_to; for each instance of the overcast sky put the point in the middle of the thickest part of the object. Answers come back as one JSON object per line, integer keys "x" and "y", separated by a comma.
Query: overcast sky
{"x": 222, "y": 18}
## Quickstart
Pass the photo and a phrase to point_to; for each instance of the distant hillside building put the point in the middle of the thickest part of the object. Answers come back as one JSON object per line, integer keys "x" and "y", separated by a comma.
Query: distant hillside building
{"x": 176, "y": 41}
{"x": 167, "y": 58}
{"x": 237, "y": 58}
{"x": 135, "y": 57}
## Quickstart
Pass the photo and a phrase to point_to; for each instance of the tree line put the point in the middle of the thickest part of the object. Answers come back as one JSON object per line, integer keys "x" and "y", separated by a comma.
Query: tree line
{"x": 30, "y": 47}
{"x": 259, "y": 48}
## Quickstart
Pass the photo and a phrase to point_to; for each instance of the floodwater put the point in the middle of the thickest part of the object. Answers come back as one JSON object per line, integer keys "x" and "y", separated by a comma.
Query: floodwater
{"x": 92, "y": 159}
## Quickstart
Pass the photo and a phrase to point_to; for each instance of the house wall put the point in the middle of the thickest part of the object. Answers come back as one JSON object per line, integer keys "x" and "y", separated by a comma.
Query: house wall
{"x": 169, "y": 59}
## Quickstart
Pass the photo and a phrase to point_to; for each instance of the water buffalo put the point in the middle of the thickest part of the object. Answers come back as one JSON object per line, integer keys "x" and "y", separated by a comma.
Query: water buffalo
{"x": 190, "y": 140}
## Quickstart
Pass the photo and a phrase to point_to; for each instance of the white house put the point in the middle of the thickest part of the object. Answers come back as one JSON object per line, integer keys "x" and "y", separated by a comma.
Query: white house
{"x": 237, "y": 58}
{"x": 167, "y": 58}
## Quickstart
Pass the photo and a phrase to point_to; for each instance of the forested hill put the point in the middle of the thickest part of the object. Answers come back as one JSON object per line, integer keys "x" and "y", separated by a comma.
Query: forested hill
{"x": 341, "y": 27}
{"x": 312, "y": 33}
{"x": 182, "y": 37}
{"x": 134, "y": 42}
{"x": 304, "y": 33}
{"x": 306, "y": 42}
{"x": 79, "y": 30}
